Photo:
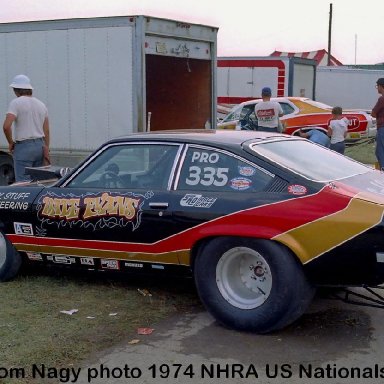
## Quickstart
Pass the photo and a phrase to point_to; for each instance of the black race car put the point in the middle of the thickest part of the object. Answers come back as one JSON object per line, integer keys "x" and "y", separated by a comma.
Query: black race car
{"x": 260, "y": 220}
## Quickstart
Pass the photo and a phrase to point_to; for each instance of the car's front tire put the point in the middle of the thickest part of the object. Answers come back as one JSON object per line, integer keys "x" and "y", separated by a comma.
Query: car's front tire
{"x": 10, "y": 259}
{"x": 251, "y": 284}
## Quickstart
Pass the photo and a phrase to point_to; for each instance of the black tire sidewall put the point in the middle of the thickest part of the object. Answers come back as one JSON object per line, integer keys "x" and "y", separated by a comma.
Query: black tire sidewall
{"x": 12, "y": 262}
{"x": 287, "y": 281}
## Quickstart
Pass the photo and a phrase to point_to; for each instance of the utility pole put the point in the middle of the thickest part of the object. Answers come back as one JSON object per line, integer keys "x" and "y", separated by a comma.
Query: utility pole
{"x": 329, "y": 34}
{"x": 355, "y": 47}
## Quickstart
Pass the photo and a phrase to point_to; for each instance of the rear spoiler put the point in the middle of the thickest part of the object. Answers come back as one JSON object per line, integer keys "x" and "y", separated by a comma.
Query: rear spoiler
{"x": 47, "y": 172}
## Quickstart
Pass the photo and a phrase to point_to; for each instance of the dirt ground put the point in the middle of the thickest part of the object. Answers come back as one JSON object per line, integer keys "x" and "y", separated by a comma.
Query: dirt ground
{"x": 363, "y": 151}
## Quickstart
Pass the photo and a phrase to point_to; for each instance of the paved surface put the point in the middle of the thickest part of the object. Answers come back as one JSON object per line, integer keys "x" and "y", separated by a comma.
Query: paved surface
{"x": 331, "y": 341}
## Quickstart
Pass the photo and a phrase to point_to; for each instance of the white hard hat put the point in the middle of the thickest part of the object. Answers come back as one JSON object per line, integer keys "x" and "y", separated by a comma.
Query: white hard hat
{"x": 21, "y": 82}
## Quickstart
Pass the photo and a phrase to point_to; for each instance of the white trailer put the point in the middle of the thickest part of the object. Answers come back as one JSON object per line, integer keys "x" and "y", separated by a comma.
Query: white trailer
{"x": 242, "y": 78}
{"x": 103, "y": 77}
{"x": 349, "y": 88}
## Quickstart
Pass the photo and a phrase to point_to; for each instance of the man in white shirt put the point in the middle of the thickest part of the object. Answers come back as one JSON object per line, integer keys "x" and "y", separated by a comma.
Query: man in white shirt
{"x": 268, "y": 112}
{"x": 29, "y": 143}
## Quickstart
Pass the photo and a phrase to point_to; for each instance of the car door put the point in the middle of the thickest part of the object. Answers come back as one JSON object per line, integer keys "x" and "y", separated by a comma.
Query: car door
{"x": 115, "y": 207}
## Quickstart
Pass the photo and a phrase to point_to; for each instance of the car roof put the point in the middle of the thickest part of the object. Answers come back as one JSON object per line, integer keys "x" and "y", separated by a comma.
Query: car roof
{"x": 289, "y": 98}
{"x": 220, "y": 137}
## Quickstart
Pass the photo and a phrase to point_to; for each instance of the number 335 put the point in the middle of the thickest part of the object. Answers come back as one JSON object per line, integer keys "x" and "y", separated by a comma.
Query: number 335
{"x": 207, "y": 176}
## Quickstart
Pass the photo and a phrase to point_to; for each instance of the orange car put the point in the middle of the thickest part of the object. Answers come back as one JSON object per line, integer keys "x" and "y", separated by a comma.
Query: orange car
{"x": 300, "y": 112}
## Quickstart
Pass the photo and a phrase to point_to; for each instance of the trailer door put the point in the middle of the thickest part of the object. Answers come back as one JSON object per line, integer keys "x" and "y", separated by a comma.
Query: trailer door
{"x": 179, "y": 83}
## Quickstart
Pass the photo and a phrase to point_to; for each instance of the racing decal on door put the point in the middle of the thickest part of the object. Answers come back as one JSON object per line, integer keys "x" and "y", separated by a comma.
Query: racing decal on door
{"x": 197, "y": 200}
{"x": 91, "y": 211}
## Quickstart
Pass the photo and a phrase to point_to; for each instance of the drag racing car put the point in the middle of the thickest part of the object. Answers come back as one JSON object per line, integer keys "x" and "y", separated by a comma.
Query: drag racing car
{"x": 301, "y": 113}
{"x": 259, "y": 220}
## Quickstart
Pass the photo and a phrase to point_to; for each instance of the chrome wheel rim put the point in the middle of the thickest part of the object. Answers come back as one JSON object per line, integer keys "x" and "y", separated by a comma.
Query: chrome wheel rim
{"x": 244, "y": 278}
{"x": 3, "y": 250}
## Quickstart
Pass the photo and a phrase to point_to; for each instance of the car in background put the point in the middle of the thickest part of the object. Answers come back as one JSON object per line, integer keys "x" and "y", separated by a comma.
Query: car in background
{"x": 251, "y": 216}
{"x": 300, "y": 112}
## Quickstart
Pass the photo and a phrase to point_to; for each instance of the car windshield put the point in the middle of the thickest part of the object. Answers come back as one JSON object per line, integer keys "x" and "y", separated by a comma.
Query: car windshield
{"x": 310, "y": 160}
{"x": 234, "y": 114}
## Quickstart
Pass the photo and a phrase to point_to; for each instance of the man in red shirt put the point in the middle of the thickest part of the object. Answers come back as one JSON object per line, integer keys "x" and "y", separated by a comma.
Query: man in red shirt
{"x": 378, "y": 112}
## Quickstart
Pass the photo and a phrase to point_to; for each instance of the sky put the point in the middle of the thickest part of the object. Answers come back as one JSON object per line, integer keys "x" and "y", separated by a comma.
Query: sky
{"x": 246, "y": 27}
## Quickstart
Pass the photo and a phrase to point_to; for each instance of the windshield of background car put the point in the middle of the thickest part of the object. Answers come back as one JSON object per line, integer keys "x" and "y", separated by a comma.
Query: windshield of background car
{"x": 309, "y": 160}
{"x": 239, "y": 112}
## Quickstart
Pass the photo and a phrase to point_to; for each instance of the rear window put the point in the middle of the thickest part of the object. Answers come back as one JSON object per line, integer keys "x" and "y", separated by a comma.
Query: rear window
{"x": 310, "y": 160}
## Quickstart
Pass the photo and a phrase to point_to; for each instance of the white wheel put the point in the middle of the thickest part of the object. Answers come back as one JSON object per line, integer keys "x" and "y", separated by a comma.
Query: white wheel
{"x": 244, "y": 278}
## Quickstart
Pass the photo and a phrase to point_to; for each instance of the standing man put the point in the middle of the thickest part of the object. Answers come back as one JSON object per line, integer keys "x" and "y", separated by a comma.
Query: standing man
{"x": 29, "y": 117}
{"x": 268, "y": 112}
{"x": 378, "y": 112}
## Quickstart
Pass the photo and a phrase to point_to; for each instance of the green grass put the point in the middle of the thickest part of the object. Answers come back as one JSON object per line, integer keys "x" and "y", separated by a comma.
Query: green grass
{"x": 363, "y": 151}
{"x": 33, "y": 331}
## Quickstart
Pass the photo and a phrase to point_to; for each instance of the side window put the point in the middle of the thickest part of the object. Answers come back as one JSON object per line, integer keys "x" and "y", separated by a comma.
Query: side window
{"x": 210, "y": 170}
{"x": 129, "y": 166}
{"x": 287, "y": 109}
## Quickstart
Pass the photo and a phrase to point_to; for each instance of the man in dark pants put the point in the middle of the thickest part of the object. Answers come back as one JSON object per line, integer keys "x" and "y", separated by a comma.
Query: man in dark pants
{"x": 378, "y": 112}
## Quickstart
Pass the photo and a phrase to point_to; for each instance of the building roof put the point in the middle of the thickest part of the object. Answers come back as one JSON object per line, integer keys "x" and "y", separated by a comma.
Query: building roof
{"x": 320, "y": 56}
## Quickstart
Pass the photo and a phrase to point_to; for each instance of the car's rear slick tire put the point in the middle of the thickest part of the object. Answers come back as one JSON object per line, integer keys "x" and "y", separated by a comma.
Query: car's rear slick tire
{"x": 10, "y": 259}
{"x": 251, "y": 284}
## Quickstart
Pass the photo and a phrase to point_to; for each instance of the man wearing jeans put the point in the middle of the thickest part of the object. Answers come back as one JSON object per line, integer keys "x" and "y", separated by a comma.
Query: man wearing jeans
{"x": 29, "y": 117}
{"x": 268, "y": 112}
{"x": 378, "y": 112}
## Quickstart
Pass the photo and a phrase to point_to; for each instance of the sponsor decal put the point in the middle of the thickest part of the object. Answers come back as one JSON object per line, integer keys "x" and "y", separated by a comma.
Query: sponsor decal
{"x": 353, "y": 122}
{"x": 62, "y": 259}
{"x": 195, "y": 200}
{"x": 34, "y": 256}
{"x": 23, "y": 229}
{"x": 87, "y": 261}
{"x": 246, "y": 171}
{"x": 296, "y": 189}
{"x": 240, "y": 183}
{"x": 157, "y": 266}
{"x": 91, "y": 211}
{"x": 134, "y": 265}
{"x": 14, "y": 195}
{"x": 110, "y": 264}
{"x": 14, "y": 200}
